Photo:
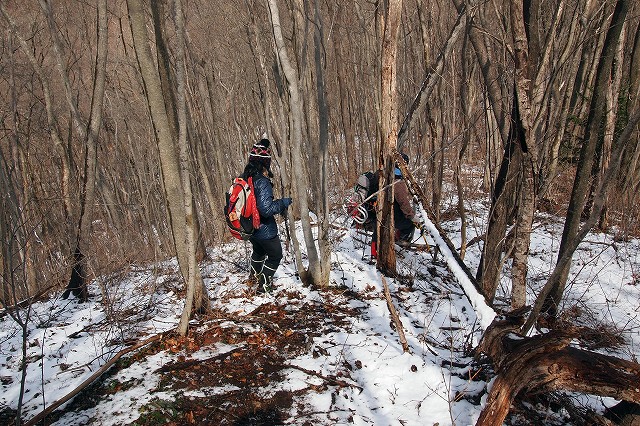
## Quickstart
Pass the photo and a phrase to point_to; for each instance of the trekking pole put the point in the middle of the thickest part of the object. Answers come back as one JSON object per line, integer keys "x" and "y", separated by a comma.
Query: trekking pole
{"x": 289, "y": 242}
{"x": 424, "y": 237}
{"x": 285, "y": 214}
{"x": 366, "y": 243}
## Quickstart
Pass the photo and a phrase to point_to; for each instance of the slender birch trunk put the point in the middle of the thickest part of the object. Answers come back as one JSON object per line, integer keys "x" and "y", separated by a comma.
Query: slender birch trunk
{"x": 312, "y": 276}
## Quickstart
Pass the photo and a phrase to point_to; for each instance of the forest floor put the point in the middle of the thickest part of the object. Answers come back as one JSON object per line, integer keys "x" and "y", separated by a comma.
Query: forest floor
{"x": 301, "y": 356}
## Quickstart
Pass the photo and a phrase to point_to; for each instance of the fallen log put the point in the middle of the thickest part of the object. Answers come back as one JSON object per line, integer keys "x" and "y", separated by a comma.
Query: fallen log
{"x": 417, "y": 192}
{"x": 394, "y": 316}
{"x": 545, "y": 363}
{"x": 455, "y": 263}
{"x": 51, "y": 408}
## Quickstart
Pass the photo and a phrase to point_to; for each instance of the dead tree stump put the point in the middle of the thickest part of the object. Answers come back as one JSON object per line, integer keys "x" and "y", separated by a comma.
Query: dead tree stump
{"x": 546, "y": 363}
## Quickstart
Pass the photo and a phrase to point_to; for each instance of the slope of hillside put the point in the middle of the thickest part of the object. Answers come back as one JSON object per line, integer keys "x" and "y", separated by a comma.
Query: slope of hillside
{"x": 302, "y": 356}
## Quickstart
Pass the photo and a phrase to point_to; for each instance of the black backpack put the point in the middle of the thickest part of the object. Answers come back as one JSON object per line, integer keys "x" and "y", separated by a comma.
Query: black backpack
{"x": 361, "y": 205}
{"x": 367, "y": 187}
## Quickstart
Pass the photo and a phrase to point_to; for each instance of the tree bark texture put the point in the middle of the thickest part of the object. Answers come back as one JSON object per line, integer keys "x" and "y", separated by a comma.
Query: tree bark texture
{"x": 546, "y": 363}
{"x": 312, "y": 275}
{"x": 170, "y": 163}
{"x": 389, "y": 121}
{"x": 196, "y": 295}
{"x": 495, "y": 250}
{"x": 593, "y": 137}
{"x": 324, "y": 213}
{"x": 523, "y": 122}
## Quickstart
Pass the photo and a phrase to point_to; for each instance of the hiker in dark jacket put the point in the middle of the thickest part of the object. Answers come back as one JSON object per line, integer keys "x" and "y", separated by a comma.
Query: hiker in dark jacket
{"x": 404, "y": 217}
{"x": 267, "y": 248}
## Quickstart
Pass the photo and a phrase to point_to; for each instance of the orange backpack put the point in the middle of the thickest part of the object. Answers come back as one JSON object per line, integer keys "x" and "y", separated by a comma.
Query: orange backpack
{"x": 241, "y": 211}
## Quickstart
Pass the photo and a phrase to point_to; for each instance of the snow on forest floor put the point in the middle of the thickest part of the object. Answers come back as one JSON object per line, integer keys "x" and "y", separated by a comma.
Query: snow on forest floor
{"x": 302, "y": 356}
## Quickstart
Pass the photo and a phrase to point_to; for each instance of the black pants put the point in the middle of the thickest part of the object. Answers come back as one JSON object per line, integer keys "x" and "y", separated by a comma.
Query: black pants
{"x": 404, "y": 228}
{"x": 266, "y": 256}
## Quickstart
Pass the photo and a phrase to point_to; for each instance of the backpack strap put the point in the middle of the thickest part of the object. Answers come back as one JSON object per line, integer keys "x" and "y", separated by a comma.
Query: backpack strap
{"x": 255, "y": 214}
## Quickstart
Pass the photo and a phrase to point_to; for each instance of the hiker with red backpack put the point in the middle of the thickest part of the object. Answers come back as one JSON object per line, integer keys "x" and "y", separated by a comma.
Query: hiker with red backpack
{"x": 265, "y": 241}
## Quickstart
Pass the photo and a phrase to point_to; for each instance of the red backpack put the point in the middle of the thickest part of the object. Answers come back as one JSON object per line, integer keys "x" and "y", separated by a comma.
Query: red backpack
{"x": 241, "y": 211}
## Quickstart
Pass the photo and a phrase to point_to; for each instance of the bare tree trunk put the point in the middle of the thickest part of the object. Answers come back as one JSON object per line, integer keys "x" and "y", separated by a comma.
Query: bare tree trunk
{"x": 168, "y": 78}
{"x": 610, "y": 123}
{"x": 174, "y": 189}
{"x": 196, "y": 297}
{"x": 634, "y": 72}
{"x": 312, "y": 276}
{"x": 88, "y": 195}
{"x": 389, "y": 124}
{"x": 467, "y": 100}
{"x": 494, "y": 250}
{"x": 323, "y": 142}
{"x": 631, "y": 178}
{"x": 523, "y": 122}
{"x": 593, "y": 135}
{"x": 436, "y": 163}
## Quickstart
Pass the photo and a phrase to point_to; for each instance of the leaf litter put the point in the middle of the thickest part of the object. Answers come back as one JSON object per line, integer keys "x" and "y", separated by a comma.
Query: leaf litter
{"x": 302, "y": 356}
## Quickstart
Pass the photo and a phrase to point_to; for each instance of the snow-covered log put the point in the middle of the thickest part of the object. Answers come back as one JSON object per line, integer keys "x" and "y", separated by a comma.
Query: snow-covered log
{"x": 468, "y": 283}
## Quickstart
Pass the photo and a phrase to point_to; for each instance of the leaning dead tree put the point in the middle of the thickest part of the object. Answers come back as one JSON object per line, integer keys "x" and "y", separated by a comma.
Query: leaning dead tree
{"x": 418, "y": 194}
{"x": 542, "y": 363}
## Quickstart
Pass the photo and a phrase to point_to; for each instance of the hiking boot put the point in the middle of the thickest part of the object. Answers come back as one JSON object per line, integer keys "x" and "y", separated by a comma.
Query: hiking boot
{"x": 265, "y": 284}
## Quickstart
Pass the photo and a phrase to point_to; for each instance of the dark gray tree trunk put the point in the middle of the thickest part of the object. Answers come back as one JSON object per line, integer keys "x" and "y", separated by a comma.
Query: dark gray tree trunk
{"x": 78, "y": 281}
{"x": 593, "y": 137}
{"x": 323, "y": 144}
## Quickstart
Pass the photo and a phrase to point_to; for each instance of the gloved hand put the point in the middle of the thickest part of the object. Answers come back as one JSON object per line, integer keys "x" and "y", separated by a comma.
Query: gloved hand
{"x": 287, "y": 202}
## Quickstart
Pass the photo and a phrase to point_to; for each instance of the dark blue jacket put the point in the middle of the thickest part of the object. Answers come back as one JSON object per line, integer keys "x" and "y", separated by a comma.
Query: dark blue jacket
{"x": 268, "y": 208}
